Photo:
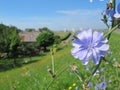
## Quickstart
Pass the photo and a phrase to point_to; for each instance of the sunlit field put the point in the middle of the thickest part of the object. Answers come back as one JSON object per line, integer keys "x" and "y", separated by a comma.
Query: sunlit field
{"x": 34, "y": 75}
{"x": 60, "y": 45}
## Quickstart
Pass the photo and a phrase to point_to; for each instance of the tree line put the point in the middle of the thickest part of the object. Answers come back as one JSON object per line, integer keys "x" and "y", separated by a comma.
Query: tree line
{"x": 11, "y": 45}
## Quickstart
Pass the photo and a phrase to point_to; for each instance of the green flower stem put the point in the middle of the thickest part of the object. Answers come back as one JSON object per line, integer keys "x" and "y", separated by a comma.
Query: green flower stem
{"x": 110, "y": 63}
{"x": 58, "y": 74}
{"x": 114, "y": 8}
{"x": 53, "y": 67}
{"x": 110, "y": 31}
{"x": 107, "y": 25}
{"x": 95, "y": 70}
{"x": 114, "y": 4}
{"x": 97, "y": 67}
{"x": 78, "y": 76}
{"x": 117, "y": 76}
{"x": 64, "y": 69}
{"x": 80, "y": 79}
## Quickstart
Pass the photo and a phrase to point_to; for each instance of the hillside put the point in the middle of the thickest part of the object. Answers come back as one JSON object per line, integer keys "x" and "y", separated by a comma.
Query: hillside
{"x": 34, "y": 76}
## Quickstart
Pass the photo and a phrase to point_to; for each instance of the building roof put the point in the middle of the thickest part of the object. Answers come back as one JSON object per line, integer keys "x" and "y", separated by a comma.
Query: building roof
{"x": 29, "y": 36}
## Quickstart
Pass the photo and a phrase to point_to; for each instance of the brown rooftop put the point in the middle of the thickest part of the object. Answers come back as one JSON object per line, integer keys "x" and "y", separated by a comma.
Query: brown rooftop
{"x": 29, "y": 36}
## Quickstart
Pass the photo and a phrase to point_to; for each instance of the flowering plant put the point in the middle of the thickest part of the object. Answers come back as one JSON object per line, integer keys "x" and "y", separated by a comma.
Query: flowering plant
{"x": 92, "y": 45}
{"x": 88, "y": 45}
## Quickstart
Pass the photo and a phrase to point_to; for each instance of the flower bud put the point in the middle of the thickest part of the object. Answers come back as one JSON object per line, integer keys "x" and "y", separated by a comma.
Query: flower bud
{"x": 74, "y": 68}
{"x": 50, "y": 71}
{"x": 111, "y": 1}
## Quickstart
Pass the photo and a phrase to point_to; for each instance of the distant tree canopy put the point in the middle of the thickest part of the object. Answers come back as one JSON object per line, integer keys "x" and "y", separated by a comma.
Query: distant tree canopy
{"x": 57, "y": 39}
{"x": 9, "y": 40}
{"x": 45, "y": 39}
{"x": 29, "y": 29}
{"x": 45, "y": 29}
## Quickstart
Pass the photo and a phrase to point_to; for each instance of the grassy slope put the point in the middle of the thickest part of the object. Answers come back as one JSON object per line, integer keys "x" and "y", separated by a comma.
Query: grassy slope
{"x": 39, "y": 77}
{"x": 61, "y": 34}
{"x": 39, "y": 68}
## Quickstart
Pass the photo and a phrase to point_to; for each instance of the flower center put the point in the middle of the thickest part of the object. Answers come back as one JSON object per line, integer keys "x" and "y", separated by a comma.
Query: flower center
{"x": 90, "y": 47}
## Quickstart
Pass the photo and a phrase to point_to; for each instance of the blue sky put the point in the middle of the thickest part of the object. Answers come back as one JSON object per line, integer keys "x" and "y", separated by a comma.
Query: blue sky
{"x": 54, "y": 14}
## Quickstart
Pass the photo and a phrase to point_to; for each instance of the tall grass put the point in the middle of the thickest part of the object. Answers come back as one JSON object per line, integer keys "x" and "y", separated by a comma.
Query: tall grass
{"x": 34, "y": 76}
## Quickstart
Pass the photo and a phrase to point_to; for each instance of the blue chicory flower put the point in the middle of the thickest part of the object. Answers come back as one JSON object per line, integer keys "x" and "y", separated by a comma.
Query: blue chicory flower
{"x": 117, "y": 15}
{"x": 70, "y": 73}
{"x": 110, "y": 52}
{"x": 96, "y": 87}
{"x": 89, "y": 45}
{"x": 96, "y": 73}
{"x": 77, "y": 88}
{"x": 110, "y": 12}
{"x": 87, "y": 67}
{"x": 109, "y": 81}
{"x": 103, "y": 85}
{"x": 114, "y": 59}
{"x": 102, "y": 77}
{"x": 102, "y": 70}
{"x": 89, "y": 84}
{"x": 118, "y": 8}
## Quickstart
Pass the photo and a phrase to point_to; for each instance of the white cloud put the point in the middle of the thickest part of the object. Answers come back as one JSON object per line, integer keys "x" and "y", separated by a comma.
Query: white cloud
{"x": 69, "y": 12}
{"x": 81, "y": 12}
{"x": 70, "y": 19}
{"x": 101, "y": 0}
{"x": 91, "y": 1}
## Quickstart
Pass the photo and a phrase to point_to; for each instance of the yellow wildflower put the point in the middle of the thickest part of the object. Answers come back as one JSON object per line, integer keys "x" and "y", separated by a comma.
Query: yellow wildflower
{"x": 70, "y": 88}
{"x": 26, "y": 73}
{"x": 74, "y": 84}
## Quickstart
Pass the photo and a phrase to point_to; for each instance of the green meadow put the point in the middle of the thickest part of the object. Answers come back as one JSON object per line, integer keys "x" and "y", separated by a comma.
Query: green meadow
{"x": 35, "y": 75}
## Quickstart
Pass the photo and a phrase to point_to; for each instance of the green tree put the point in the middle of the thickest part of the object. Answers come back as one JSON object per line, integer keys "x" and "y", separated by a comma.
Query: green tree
{"x": 4, "y": 38}
{"x": 57, "y": 39}
{"x": 29, "y": 29}
{"x": 9, "y": 41}
{"x": 45, "y": 39}
{"x": 14, "y": 44}
{"x": 45, "y": 29}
